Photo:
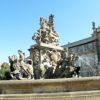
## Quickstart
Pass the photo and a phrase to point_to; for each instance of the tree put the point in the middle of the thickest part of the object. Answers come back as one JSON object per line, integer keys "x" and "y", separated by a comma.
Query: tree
{"x": 4, "y": 71}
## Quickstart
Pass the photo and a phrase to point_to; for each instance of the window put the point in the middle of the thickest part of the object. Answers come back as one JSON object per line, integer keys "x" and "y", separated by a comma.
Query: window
{"x": 86, "y": 47}
{"x": 94, "y": 45}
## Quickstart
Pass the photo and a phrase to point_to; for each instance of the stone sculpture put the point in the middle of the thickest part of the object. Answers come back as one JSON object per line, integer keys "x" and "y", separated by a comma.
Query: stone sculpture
{"x": 49, "y": 59}
{"x": 46, "y": 33}
{"x": 19, "y": 69}
{"x": 14, "y": 67}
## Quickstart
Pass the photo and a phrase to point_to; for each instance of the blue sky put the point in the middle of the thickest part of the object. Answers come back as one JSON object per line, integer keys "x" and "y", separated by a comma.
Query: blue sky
{"x": 19, "y": 19}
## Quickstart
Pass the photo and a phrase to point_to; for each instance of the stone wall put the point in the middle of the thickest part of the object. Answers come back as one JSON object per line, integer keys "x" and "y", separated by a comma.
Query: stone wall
{"x": 51, "y": 89}
{"x": 83, "y": 95}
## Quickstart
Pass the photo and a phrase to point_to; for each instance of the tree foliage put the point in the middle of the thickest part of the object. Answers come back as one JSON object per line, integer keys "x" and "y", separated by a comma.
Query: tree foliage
{"x": 4, "y": 71}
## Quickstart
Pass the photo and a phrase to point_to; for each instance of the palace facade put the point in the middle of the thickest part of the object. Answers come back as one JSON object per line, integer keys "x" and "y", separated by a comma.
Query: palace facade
{"x": 88, "y": 50}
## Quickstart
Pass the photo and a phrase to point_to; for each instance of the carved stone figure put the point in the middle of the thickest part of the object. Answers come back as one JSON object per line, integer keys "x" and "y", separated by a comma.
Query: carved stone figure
{"x": 21, "y": 57}
{"x": 27, "y": 69}
{"x": 14, "y": 67}
{"x": 35, "y": 56}
{"x": 44, "y": 24}
{"x": 19, "y": 69}
{"x": 37, "y": 37}
{"x": 53, "y": 37}
{"x": 73, "y": 57}
{"x": 65, "y": 59}
{"x": 45, "y": 62}
{"x": 46, "y": 33}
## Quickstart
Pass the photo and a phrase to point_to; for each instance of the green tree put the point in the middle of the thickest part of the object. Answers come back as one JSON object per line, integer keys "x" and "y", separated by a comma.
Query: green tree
{"x": 4, "y": 70}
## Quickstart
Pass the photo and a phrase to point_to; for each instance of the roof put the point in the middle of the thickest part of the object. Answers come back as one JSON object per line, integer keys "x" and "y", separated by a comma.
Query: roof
{"x": 80, "y": 42}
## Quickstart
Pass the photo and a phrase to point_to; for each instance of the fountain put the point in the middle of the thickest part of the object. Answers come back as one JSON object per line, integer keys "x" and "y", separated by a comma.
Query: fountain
{"x": 47, "y": 55}
{"x": 86, "y": 67}
{"x": 48, "y": 75}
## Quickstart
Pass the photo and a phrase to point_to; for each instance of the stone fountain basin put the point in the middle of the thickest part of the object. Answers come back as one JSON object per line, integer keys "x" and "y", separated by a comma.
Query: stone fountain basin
{"x": 49, "y": 85}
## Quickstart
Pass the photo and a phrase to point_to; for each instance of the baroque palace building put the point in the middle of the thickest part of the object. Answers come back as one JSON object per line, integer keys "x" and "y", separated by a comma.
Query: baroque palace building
{"x": 88, "y": 50}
